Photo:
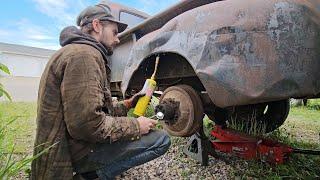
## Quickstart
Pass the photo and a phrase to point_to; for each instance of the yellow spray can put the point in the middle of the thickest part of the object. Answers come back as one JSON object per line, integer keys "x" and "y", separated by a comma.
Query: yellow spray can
{"x": 148, "y": 89}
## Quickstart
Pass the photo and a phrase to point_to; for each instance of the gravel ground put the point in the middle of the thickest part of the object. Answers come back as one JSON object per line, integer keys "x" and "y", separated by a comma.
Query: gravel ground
{"x": 176, "y": 165}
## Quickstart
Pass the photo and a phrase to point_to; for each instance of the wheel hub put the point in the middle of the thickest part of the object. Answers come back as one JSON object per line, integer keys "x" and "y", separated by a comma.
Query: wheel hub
{"x": 183, "y": 110}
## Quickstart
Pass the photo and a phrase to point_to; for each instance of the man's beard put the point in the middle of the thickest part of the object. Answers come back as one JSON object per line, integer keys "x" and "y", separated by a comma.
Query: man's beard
{"x": 109, "y": 49}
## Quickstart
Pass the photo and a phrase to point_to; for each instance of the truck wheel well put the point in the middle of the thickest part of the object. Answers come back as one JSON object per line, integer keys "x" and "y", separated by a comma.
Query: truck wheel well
{"x": 173, "y": 69}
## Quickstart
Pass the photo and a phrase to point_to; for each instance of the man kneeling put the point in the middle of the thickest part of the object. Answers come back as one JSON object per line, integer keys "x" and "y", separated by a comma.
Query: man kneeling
{"x": 91, "y": 134}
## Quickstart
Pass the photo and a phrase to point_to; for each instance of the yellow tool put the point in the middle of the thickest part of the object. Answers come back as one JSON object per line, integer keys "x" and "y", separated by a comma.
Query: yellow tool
{"x": 148, "y": 89}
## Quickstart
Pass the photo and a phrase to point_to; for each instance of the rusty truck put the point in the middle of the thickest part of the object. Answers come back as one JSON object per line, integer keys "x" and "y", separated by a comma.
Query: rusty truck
{"x": 233, "y": 60}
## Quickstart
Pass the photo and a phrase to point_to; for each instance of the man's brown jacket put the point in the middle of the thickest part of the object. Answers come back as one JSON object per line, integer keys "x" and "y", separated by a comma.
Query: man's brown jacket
{"x": 75, "y": 110}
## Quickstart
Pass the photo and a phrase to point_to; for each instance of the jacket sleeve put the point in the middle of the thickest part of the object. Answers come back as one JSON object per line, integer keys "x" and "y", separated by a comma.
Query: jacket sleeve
{"x": 119, "y": 108}
{"x": 83, "y": 100}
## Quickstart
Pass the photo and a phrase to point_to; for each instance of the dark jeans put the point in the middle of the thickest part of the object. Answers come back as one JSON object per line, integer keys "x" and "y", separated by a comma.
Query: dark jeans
{"x": 109, "y": 160}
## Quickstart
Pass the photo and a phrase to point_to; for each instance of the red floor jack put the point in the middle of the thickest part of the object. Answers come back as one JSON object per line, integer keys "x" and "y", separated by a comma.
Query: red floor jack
{"x": 239, "y": 144}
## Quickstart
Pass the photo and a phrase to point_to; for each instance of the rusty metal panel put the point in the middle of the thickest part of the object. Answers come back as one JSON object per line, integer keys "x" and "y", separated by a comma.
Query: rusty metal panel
{"x": 163, "y": 17}
{"x": 118, "y": 64}
{"x": 129, "y": 36}
{"x": 244, "y": 52}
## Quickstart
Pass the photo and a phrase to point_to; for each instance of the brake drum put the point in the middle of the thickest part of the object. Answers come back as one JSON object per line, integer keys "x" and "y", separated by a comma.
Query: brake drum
{"x": 189, "y": 113}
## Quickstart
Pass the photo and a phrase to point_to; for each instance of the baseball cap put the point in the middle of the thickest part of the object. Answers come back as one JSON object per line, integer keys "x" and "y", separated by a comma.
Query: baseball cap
{"x": 101, "y": 12}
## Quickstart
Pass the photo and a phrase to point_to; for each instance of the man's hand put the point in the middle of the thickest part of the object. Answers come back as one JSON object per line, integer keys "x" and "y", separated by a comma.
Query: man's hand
{"x": 146, "y": 124}
{"x": 132, "y": 102}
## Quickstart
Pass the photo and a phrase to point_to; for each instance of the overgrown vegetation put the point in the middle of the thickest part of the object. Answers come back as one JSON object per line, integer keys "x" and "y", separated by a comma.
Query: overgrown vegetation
{"x": 16, "y": 139}
{"x": 11, "y": 164}
{"x": 250, "y": 125}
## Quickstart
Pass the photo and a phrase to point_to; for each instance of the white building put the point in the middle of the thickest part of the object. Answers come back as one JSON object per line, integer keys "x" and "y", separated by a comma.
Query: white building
{"x": 26, "y": 65}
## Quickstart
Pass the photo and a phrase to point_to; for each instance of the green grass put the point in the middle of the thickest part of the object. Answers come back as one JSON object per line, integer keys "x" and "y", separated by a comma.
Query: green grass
{"x": 300, "y": 130}
{"x": 22, "y": 131}
{"x": 303, "y": 124}
{"x": 17, "y": 124}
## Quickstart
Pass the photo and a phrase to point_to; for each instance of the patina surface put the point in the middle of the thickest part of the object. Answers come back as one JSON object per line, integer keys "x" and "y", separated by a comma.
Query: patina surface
{"x": 243, "y": 52}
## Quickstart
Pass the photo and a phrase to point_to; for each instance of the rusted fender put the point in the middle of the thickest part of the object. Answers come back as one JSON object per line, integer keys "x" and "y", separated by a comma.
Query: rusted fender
{"x": 244, "y": 52}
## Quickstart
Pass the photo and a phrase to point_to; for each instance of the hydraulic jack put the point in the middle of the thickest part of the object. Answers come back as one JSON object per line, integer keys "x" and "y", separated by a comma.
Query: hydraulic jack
{"x": 225, "y": 140}
{"x": 241, "y": 145}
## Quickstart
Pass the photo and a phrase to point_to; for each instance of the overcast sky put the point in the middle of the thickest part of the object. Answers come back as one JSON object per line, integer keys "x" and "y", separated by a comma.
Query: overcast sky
{"x": 38, "y": 23}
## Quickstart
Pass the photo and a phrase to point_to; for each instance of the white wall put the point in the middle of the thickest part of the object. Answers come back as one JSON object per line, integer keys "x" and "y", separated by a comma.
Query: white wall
{"x": 24, "y": 65}
{"x": 23, "y": 89}
{"x": 26, "y": 70}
